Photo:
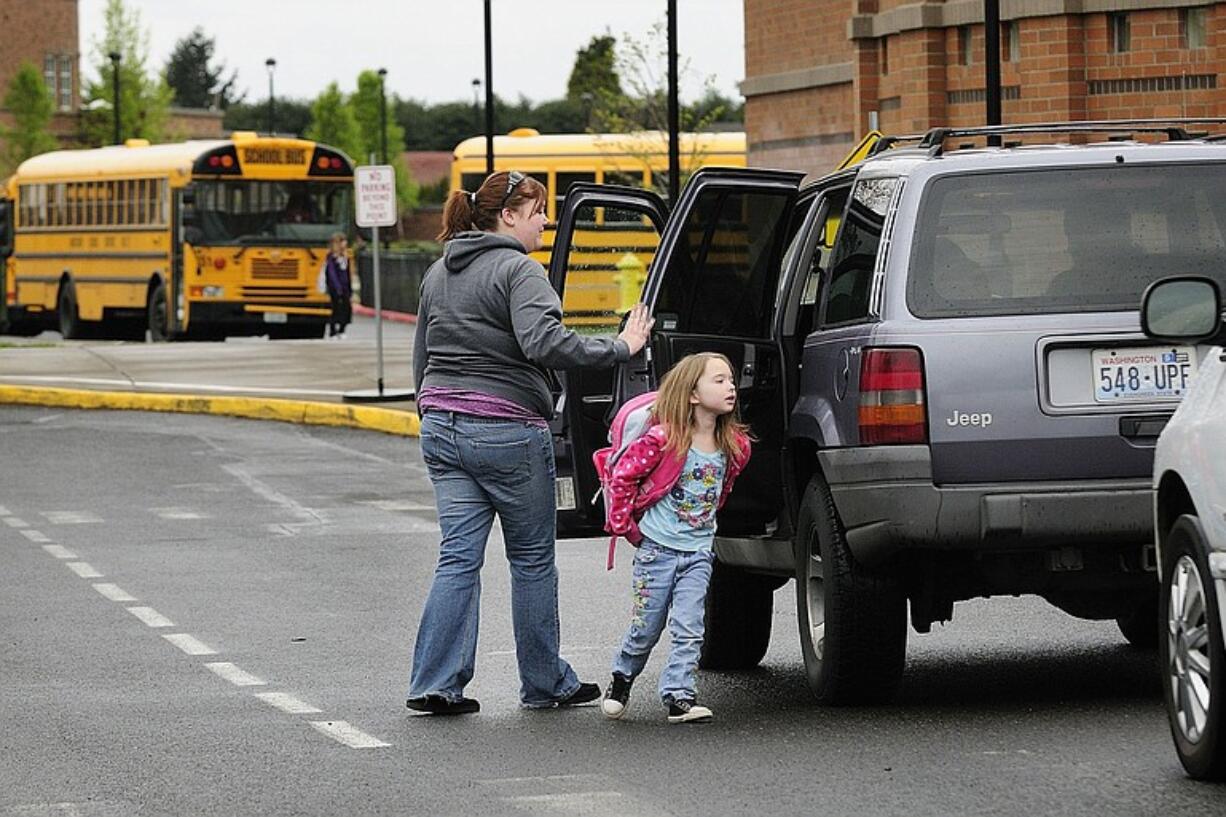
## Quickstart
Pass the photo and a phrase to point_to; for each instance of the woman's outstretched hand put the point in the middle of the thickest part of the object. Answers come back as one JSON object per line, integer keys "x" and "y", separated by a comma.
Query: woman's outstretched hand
{"x": 637, "y": 330}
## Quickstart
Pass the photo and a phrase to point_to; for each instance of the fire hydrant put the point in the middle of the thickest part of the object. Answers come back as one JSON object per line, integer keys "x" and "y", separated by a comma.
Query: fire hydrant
{"x": 631, "y": 273}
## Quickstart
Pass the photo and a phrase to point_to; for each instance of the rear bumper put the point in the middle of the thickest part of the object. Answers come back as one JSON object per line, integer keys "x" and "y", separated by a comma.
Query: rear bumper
{"x": 888, "y": 503}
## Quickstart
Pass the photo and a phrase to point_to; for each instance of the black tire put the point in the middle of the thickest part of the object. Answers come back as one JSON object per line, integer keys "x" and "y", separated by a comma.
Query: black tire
{"x": 67, "y": 313}
{"x": 738, "y": 619}
{"x": 1193, "y": 656}
{"x": 157, "y": 315}
{"x": 1142, "y": 626}
{"x": 856, "y": 653}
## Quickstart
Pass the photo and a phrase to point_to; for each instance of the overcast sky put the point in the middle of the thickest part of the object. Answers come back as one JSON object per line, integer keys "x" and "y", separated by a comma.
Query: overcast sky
{"x": 432, "y": 49}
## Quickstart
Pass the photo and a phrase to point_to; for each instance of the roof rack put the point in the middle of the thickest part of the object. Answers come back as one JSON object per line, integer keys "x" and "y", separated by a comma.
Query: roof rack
{"x": 1175, "y": 130}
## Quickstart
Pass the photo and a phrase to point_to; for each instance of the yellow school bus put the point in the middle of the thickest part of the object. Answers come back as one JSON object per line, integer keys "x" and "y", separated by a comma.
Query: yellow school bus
{"x": 198, "y": 239}
{"x": 609, "y": 258}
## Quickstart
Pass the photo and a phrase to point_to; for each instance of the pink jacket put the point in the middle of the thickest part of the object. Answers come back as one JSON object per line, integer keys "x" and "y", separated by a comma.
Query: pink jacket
{"x": 644, "y": 475}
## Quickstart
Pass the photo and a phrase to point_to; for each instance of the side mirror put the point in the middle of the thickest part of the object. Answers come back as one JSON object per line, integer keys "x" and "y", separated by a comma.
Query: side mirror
{"x": 6, "y": 229}
{"x": 1182, "y": 309}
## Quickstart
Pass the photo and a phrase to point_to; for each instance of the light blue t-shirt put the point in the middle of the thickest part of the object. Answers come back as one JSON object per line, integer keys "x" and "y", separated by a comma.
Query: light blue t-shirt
{"x": 685, "y": 518}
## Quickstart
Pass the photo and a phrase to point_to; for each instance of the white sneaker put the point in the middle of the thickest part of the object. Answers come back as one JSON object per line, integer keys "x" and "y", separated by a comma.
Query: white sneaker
{"x": 684, "y": 711}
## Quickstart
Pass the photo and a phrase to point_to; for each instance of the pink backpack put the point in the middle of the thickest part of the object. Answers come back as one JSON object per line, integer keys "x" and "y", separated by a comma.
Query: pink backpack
{"x": 631, "y": 422}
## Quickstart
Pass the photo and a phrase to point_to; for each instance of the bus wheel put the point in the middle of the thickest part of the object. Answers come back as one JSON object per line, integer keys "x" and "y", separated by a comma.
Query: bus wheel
{"x": 156, "y": 310}
{"x": 66, "y": 308}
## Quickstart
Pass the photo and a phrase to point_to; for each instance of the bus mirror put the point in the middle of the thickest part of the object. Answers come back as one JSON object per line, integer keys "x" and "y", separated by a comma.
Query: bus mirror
{"x": 6, "y": 229}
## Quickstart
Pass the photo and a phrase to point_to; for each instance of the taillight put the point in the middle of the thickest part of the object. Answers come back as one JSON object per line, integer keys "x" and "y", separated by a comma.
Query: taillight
{"x": 892, "y": 397}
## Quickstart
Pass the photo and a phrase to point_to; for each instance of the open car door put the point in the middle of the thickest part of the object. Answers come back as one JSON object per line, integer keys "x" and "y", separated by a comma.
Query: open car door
{"x": 712, "y": 286}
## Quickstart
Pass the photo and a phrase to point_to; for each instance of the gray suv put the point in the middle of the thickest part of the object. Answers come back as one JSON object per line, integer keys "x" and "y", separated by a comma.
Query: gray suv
{"x": 940, "y": 354}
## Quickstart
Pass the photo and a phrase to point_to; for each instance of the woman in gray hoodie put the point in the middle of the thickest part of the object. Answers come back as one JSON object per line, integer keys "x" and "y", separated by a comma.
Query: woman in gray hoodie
{"x": 489, "y": 329}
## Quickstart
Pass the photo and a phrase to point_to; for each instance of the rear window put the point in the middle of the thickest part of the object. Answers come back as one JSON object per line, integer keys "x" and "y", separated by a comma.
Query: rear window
{"x": 1067, "y": 240}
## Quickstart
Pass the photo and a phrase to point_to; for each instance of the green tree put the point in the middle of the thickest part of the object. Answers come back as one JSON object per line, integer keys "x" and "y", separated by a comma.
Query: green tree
{"x": 31, "y": 106}
{"x": 196, "y": 82}
{"x": 333, "y": 123}
{"x": 144, "y": 99}
{"x": 594, "y": 74}
{"x": 365, "y": 105}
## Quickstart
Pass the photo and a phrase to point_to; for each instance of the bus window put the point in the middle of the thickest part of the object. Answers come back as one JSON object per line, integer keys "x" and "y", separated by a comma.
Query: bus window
{"x": 243, "y": 212}
{"x": 564, "y": 181}
{"x": 613, "y": 215}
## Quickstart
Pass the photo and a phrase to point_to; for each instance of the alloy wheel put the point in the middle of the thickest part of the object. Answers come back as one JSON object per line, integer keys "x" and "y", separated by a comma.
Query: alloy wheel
{"x": 1189, "y": 665}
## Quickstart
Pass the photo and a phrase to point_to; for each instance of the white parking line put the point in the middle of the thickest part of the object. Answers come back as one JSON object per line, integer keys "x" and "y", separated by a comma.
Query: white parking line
{"x": 287, "y": 703}
{"x": 151, "y": 617}
{"x": 84, "y": 569}
{"x": 234, "y": 675}
{"x": 35, "y": 536}
{"x": 71, "y": 517}
{"x": 189, "y": 644}
{"x": 111, "y": 591}
{"x": 351, "y": 736}
{"x": 59, "y": 551}
{"x": 15, "y": 522}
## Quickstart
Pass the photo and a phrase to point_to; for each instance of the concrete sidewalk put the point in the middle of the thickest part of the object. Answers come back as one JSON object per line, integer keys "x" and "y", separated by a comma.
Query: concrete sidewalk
{"x": 299, "y": 381}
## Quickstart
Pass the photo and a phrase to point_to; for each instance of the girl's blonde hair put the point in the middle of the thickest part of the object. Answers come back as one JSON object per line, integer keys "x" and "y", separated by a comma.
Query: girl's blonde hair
{"x": 674, "y": 411}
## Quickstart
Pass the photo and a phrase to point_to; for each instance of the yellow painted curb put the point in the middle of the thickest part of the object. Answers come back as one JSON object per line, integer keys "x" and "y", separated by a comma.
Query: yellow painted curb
{"x": 371, "y": 418}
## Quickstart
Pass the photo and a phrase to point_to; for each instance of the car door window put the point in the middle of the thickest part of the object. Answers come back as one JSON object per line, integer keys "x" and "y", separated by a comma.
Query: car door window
{"x": 722, "y": 275}
{"x": 606, "y": 266}
{"x": 854, "y": 256}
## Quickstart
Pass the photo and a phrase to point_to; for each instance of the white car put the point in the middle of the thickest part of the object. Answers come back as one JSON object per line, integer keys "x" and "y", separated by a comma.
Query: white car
{"x": 1190, "y": 517}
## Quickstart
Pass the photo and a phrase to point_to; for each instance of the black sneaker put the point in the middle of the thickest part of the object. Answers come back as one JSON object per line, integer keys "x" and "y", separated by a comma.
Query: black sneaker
{"x": 438, "y": 705}
{"x": 585, "y": 694}
{"x": 687, "y": 711}
{"x": 616, "y": 696}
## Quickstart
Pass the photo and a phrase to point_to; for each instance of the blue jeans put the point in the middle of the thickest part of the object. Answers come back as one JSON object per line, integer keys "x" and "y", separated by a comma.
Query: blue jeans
{"x": 665, "y": 578}
{"x": 480, "y": 467}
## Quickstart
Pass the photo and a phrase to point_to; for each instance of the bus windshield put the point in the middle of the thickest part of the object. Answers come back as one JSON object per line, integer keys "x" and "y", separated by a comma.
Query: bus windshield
{"x": 246, "y": 212}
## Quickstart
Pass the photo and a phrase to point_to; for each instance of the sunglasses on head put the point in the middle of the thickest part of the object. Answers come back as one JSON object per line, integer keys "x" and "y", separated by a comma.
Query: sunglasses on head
{"x": 514, "y": 179}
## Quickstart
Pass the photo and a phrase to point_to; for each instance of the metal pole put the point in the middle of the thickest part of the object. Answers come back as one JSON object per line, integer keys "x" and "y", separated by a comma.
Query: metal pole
{"x": 374, "y": 238}
{"x": 674, "y": 112}
{"x": 991, "y": 64}
{"x": 489, "y": 92}
{"x": 271, "y": 65}
{"x": 383, "y": 113}
{"x": 115, "y": 57}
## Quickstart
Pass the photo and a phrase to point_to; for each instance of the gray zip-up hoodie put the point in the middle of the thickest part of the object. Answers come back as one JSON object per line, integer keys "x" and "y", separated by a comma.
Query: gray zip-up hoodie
{"x": 489, "y": 321}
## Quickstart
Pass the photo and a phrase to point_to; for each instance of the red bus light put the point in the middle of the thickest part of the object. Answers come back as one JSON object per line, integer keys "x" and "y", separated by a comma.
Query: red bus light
{"x": 336, "y": 163}
{"x": 214, "y": 161}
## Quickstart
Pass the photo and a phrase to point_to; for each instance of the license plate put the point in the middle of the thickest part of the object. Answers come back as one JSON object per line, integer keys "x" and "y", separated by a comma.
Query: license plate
{"x": 564, "y": 493}
{"x": 275, "y": 317}
{"x": 1137, "y": 374}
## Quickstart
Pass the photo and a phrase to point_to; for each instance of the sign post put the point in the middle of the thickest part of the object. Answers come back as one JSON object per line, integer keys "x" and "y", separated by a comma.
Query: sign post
{"x": 375, "y": 186}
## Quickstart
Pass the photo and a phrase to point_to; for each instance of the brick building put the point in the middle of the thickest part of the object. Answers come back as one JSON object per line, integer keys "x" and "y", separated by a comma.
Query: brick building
{"x": 45, "y": 34}
{"x": 819, "y": 73}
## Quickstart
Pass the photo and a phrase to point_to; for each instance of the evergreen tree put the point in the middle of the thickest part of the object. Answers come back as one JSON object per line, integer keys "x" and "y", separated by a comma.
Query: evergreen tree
{"x": 144, "y": 99}
{"x": 31, "y": 106}
{"x": 196, "y": 82}
{"x": 594, "y": 75}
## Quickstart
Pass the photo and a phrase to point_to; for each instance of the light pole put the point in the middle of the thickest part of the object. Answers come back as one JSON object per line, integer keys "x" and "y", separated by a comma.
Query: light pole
{"x": 991, "y": 64}
{"x": 115, "y": 57}
{"x": 383, "y": 112}
{"x": 489, "y": 92}
{"x": 271, "y": 65}
{"x": 476, "y": 105}
{"x": 674, "y": 108}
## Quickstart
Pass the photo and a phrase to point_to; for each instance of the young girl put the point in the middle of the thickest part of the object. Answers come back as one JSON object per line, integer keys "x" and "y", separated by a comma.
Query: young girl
{"x": 663, "y": 495}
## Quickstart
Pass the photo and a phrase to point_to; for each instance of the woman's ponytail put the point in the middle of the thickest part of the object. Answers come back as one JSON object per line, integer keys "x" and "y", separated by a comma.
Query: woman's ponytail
{"x": 457, "y": 215}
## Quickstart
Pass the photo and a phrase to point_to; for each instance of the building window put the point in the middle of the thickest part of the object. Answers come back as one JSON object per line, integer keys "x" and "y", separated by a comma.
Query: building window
{"x": 1010, "y": 42}
{"x": 1192, "y": 27}
{"x": 964, "y": 45}
{"x": 885, "y": 55}
{"x": 1118, "y": 32}
{"x": 49, "y": 73}
{"x": 66, "y": 87}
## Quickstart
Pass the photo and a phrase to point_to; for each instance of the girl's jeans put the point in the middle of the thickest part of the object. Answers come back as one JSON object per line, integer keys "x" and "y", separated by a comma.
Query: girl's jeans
{"x": 664, "y": 577}
{"x": 479, "y": 467}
